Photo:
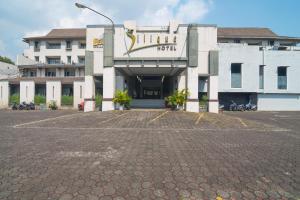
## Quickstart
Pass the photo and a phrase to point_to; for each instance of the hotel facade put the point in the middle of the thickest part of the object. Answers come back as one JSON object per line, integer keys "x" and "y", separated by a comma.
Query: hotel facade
{"x": 151, "y": 62}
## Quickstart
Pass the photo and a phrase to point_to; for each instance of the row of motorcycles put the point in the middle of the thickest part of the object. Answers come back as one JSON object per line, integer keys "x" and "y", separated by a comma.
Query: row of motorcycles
{"x": 23, "y": 106}
{"x": 242, "y": 107}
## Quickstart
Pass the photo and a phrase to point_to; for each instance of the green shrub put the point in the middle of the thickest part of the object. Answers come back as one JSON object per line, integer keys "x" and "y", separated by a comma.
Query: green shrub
{"x": 66, "y": 100}
{"x": 203, "y": 101}
{"x": 178, "y": 98}
{"x": 122, "y": 98}
{"x": 15, "y": 98}
{"x": 52, "y": 105}
{"x": 98, "y": 100}
{"x": 39, "y": 99}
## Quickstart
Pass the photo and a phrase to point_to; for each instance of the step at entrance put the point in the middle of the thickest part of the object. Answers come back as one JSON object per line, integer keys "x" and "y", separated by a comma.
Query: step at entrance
{"x": 148, "y": 103}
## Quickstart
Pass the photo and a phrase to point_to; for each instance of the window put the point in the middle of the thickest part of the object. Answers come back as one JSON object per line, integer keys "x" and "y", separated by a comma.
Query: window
{"x": 82, "y": 45}
{"x": 37, "y": 58}
{"x": 68, "y": 45}
{"x": 53, "y": 61}
{"x": 236, "y": 75}
{"x": 52, "y": 45}
{"x": 81, "y": 60}
{"x": 36, "y": 46}
{"x": 237, "y": 41}
{"x": 282, "y": 78}
{"x": 69, "y": 60}
{"x": 50, "y": 72}
{"x": 271, "y": 43}
{"x": 261, "y": 76}
{"x": 69, "y": 72}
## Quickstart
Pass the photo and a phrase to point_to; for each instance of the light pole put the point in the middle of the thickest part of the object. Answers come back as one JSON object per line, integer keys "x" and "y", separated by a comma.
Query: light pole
{"x": 78, "y": 5}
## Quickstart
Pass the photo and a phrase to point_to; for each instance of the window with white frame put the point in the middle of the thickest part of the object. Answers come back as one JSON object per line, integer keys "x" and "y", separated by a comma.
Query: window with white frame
{"x": 261, "y": 76}
{"x": 236, "y": 75}
{"x": 282, "y": 78}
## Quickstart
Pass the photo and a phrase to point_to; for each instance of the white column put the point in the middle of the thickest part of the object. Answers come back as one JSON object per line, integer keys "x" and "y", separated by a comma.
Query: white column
{"x": 53, "y": 92}
{"x": 4, "y": 94}
{"x": 181, "y": 81}
{"x": 78, "y": 88}
{"x": 109, "y": 85}
{"x": 89, "y": 94}
{"x": 192, "y": 104}
{"x": 213, "y": 101}
{"x": 27, "y": 91}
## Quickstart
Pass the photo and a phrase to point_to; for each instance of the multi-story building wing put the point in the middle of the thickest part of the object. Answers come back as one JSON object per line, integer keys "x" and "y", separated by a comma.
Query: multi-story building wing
{"x": 151, "y": 62}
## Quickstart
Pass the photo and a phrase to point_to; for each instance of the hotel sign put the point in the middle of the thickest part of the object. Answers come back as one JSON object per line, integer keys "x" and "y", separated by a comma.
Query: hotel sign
{"x": 162, "y": 43}
{"x": 98, "y": 43}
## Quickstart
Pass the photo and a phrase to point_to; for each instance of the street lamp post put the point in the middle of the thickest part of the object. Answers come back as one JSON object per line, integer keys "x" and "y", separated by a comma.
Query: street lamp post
{"x": 78, "y": 5}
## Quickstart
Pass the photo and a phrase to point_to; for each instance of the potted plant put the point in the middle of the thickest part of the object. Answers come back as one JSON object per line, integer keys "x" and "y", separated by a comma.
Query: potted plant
{"x": 181, "y": 97}
{"x": 122, "y": 98}
{"x": 52, "y": 105}
{"x": 203, "y": 103}
{"x": 178, "y": 99}
{"x": 98, "y": 101}
{"x": 172, "y": 102}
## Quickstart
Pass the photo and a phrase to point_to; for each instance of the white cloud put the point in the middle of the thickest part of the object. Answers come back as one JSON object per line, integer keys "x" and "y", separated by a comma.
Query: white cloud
{"x": 36, "y": 17}
{"x": 192, "y": 11}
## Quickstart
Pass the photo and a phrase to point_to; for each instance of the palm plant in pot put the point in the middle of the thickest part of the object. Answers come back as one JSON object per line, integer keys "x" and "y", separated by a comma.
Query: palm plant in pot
{"x": 178, "y": 99}
{"x": 181, "y": 98}
{"x": 122, "y": 98}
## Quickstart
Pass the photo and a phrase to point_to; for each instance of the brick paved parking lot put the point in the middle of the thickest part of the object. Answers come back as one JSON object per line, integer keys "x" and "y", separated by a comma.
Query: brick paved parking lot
{"x": 149, "y": 155}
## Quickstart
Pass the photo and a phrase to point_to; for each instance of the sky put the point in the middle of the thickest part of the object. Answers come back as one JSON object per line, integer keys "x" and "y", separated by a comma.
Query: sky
{"x": 23, "y": 18}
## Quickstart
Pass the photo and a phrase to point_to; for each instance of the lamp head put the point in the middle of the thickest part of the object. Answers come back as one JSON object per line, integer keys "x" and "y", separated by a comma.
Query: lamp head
{"x": 78, "y": 5}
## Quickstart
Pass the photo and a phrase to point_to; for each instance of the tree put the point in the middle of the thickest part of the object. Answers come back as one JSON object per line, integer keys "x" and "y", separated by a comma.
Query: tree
{"x": 6, "y": 60}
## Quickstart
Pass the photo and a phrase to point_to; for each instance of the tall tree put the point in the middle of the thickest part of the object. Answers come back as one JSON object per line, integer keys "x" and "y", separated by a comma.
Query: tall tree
{"x": 6, "y": 60}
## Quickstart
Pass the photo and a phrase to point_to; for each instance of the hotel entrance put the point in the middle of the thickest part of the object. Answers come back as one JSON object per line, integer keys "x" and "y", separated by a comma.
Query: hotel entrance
{"x": 150, "y": 91}
{"x": 148, "y": 86}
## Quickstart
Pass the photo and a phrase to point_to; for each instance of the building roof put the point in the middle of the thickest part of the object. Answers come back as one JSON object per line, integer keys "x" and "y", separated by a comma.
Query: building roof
{"x": 251, "y": 33}
{"x": 246, "y": 33}
{"x": 223, "y": 32}
{"x": 71, "y": 33}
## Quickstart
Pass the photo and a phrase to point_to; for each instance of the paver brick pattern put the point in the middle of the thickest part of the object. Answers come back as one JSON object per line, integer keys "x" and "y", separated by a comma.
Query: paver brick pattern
{"x": 128, "y": 155}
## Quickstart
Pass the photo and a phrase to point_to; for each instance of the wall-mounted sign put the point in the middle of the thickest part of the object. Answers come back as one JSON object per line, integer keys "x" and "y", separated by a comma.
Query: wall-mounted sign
{"x": 162, "y": 43}
{"x": 98, "y": 43}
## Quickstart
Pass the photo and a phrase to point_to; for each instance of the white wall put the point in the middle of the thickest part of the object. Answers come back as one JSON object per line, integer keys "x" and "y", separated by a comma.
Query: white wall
{"x": 251, "y": 57}
{"x": 78, "y": 92}
{"x": 91, "y": 34}
{"x": 27, "y": 91}
{"x": 4, "y": 94}
{"x": 207, "y": 41}
{"x": 62, "y": 52}
{"x": 278, "y": 102}
{"x": 53, "y": 92}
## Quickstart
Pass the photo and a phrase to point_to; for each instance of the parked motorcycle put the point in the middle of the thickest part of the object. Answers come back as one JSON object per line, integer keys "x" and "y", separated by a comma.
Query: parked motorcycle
{"x": 30, "y": 106}
{"x": 235, "y": 107}
{"x": 250, "y": 107}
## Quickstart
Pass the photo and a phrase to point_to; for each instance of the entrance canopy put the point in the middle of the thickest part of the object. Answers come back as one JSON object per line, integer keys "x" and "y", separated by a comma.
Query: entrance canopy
{"x": 150, "y": 66}
{"x": 150, "y": 71}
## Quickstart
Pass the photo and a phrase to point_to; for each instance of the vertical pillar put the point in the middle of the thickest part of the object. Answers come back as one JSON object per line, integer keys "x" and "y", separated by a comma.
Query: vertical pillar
{"x": 89, "y": 94}
{"x": 109, "y": 80}
{"x": 27, "y": 91}
{"x": 192, "y": 104}
{"x": 213, "y": 79}
{"x": 4, "y": 94}
{"x": 109, "y": 73}
{"x": 53, "y": 92}
{"x": 213, "y": 102}
{"x": 78, "y": 88}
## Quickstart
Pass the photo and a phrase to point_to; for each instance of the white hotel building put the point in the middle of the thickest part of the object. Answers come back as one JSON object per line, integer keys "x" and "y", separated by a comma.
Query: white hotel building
{"x": 239, "y": 64}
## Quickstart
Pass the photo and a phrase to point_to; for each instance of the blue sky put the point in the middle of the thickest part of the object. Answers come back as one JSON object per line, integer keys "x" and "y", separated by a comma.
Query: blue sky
{"x": 19, "y": 18}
